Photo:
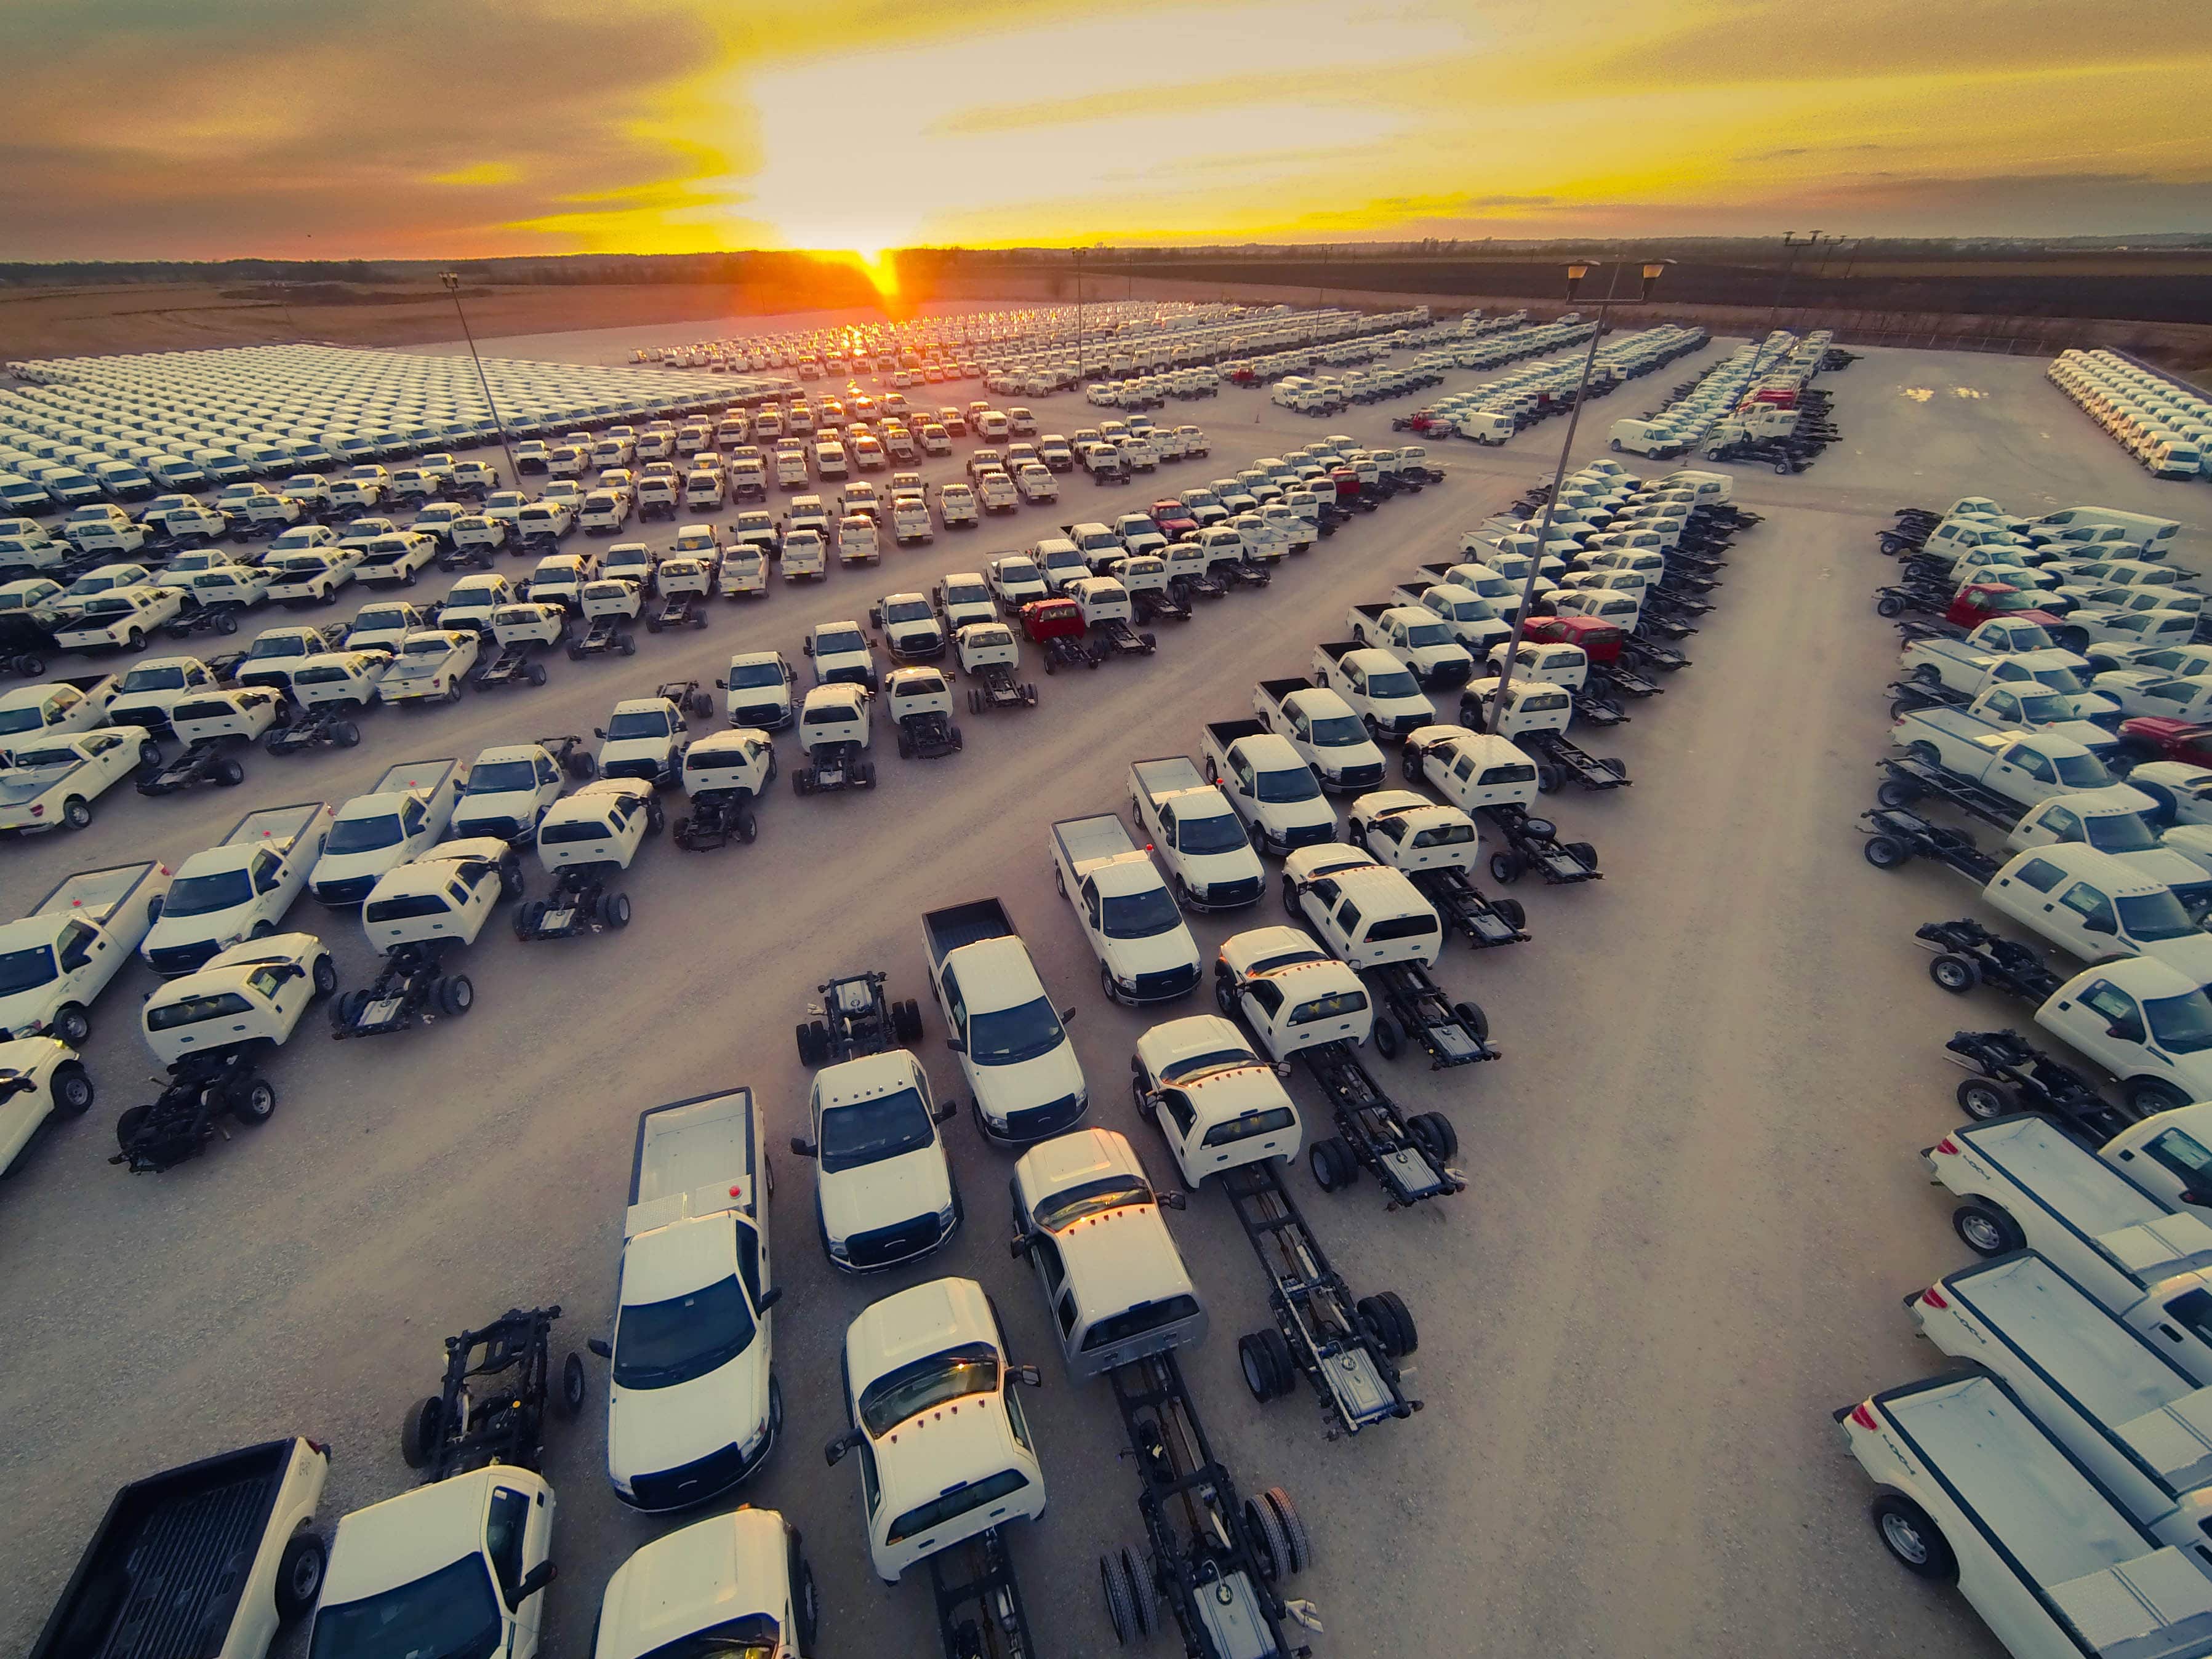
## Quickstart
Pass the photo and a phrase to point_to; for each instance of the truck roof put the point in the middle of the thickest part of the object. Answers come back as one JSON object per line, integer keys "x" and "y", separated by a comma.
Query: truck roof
{"x": 404, "y": 1538}
{"x": 694, "y": 1158}
{"x": 2063, "y": 1531}
{"x": 95, "y": 893}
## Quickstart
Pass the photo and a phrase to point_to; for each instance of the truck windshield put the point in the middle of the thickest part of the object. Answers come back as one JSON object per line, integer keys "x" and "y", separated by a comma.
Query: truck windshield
{"x": 1391, "y": 683}
{"x": 1064, "y": 1209}
{"x": 364, "y": 834}
{"x": 2064, "y": 680}
{"x": 870, "y": 1131}
{"x": 1292, "y": 783}
{"x": 200, "y": 895}
{"x": 965, "y": 594}
{"x": 1200, "y": 1066}
{"x": 26, "y": 971}
{"x": 1427, "y": 634}
{"x": 2182, "y": 1023}
{"x": 450, "y": 1613}
{"x": 497, "y": 777}
{"x": 190, "y": 1011}
{"x": 2153, "y": 916}
{"x": 1141, "y": 916}
{"x": 638, "y": 723}
{"x": 659, "y": 1345}
{"x": 153, "y": 679}
{"x": 1221, "y": 832}
{"x": 2082, "y": 771}
{"x": 2118, "y": 832}
{"x": 1007, "y": 1037}
{"x": 2043, "y": 708}
{"x": 927, "y": 1517}
{"x": 1338, "y": 732}
{"x": 923, "y": 1385}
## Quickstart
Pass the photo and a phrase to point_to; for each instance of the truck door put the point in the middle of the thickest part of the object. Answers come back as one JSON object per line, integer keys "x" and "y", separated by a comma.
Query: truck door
{"x": 518, "y": 1536}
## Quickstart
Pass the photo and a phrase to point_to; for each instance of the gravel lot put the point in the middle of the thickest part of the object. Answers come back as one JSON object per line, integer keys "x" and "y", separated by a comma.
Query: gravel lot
{"x": 1694, "y": 1202}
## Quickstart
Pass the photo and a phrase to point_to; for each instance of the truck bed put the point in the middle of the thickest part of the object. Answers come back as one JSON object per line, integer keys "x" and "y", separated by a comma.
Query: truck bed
{"x": 170, "y": 1559}
{"x": 1224, "y": 732}
{"x": 1166, "y": 776}
{"x": 281, "y": 825}
{"x": 1092, "y": 840}
{"x": 704, "y": 1145}
{"x": 1278, "y": 690}
{"x": 2095, "y": 1198}
{"x": 96, "y": 893}
{"x": 971, "y": 923}
{"x": 423, "y": 774}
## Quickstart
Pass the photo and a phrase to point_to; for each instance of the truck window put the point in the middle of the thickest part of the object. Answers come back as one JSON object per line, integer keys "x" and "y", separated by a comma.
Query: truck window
{"x": 1347, "y": 918}
{"x": 504, "y": 1524}
{"x": 1063, "y": 1309}
{"x": 748, "y": 1259}
{"x": 926, "y": 1518}
{"x": 1263, "y": 1122}
{"x": 1401, "y": 928}
{"x": 2062, "y": 824}
{"x": 191, "y": 1010}
{"x": 2184, "y": 1155}
{"x": 2041, "y": 874}
{"x": 1337, "y": 1004}
{"x": 1135, "y": 1321}
{"x": 1177, "y": 1106}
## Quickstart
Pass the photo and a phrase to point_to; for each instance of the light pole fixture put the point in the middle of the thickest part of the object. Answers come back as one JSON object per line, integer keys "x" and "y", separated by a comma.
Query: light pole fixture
{"x": 1651, "y": 272}
{"x": 452, "y": 284}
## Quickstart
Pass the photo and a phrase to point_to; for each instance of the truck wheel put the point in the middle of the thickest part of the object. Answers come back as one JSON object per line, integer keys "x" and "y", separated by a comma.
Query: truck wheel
{"x": 72, "y": 1024}
{"x": 1897, "y": 791}
{"x": 529, "y": 919}
{"x": 72, "y": 1089}
{"x": 1983, "y": 1099}
{"x": 1332, "y": 1164}
{"x": 1547, "y": 778}
{"x": 1125, "y": 1607}
{"x": 326, "y": 978}
{"x": 626, "y": 644}
{"x": 1264, "y": 1357}
{"x": 135, "y": 640}
{"x": 905, "y": 744}
{"x": 299, "y": 1575}
{"x": 456, "y": 995}
{"x": 575, "y": 651}
{"x": 572, "y": 1385}
{"x": 614, "y": 910}
{"x": 1513, "y": 913}
{"x": 1584, "y": 854}
{"x": 952, "y": 734}
{"x": 1912, "y": 1539}
{"x": 1432, "y": 1132}
{"x": 1271, "y": 1544}
{"x": 1985, "y": 1230}
{"x": 656, "y": 817}
{"x": 2147, "y": 1097}
{"x": 419, "y": 1431}
{"x": 906, "y": 1020}
{"x": 1505, "y": 868}
{"x": 535, "y": 673}
{"x": 1389, "y": 1041}
{"x": 254, "y": 1102}
{"x": 1409, "y": 1341}
{"x": 1957, "y": 974}
{"x": 1928, "y": 675}
{"x": 1887, "y": 852}
{"x": 128, "y": 1126}
{"x": 1926, "y": 753}
{"x": 76, "y": 812}
{"x": 228, "y": 774}
{"x": 1470, "y": 1015}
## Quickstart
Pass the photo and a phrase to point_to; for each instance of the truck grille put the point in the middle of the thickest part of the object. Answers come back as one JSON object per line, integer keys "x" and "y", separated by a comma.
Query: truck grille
{"x": 1048, "y": 1120}
{"x": 695, "y": 1482}
{"x": 759, "y": 713}
{"x": 1360, "y": 777}
{"x": 1312, "y": 836}
{"x": 644, "y": 769}
{"x": 1453, "y": 673}
{"x": 1409, "y": 722}
{"x": 351, "y": 890}
{"x": 919, "y": 645}
{"x": 174, "y": 959}
{"x": 1168, "y": 983}
{"x": 506, "y": 828}
{"x": 1223, "y": 894}
{"x": 882, "y": 1246}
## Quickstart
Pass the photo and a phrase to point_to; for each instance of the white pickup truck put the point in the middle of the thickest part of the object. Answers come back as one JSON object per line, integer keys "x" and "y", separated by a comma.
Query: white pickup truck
{"x": 2095, "y": 906}
{"x": 30, "y": 714}
{"x": 717, "y": 1586}
{"x": 1368, "y": 914}
{"x": 2022, "y": 767}
{"x": 1212, "y": 863}
{"x": 1014, "y": 1052}
{"x": 1320, "y": 725}
{"x": 693, "y": 1405}
{"x": 1974, "y": 1491}
{"x": 1416, "y": 637}
{"x": 1269, "y": 784}
{"x": 1214, "y": 1101}
{"x": 1381, "y": 690}
{"x": 1145, "y": 950}
{"x": 123, "y": 618}
{"x": 57, "y": 960}
{"x": 1959, "y": 667}
{"x": 240, "y": 887}
{"x": 401, "y": 815}
{"x": 52, "y": 785}
{"x": 2030, "y": 708}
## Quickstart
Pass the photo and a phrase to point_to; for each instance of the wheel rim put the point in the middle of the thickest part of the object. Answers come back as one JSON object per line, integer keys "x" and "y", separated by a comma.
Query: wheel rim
{"x": 1982, "y": 1233}
{"x": 1904, "y": 1539}
{"x": 1950, "y": 977}
{"x": 307, "y": 1574}
{"x": 1981, "y": 1102}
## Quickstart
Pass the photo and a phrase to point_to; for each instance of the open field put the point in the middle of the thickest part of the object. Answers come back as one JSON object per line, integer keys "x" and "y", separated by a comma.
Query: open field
{"x": 1694, "y": 1202}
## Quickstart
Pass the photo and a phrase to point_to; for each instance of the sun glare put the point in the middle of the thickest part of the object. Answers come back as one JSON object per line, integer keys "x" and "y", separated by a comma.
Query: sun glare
{"x": 877, "y": 264}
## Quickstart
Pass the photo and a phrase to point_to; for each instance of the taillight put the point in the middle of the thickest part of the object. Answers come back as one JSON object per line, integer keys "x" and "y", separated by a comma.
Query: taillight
{"x": 1947, "y": 1146}
{"x": 1933, "y": 1298}
{"x": 1863, "y": 1414}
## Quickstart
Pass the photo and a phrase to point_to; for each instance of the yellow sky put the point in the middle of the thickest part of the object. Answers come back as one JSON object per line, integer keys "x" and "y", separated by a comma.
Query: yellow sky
{"x": 398, "y": 128}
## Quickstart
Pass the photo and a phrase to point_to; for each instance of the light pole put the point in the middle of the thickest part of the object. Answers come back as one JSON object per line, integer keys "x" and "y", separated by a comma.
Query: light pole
{"x": 1575, "y": 275}
{"x": 1790, "y": 242}
{"x": 1077, "y": 255}
{"x": 453, "y": 282}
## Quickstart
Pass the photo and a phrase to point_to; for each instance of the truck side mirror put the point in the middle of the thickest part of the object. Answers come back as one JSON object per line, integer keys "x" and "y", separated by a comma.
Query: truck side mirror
{"x": 1029, "y": 1375}
{"x": 770, "y": 1298}
{"x": 945, "y": 1112}
{"x": 1172, "y": 1201}
{"x": 532, "y": 1582}
{"x": 601, "y": 1346}
{"x": 802, "y": 1147}
{"x": 1019, "y": 1246}
{"x": 601, "y": 732}
{"x": 1067, "y": 1016}
{"x": 834, "y": 1453}
{"x": 807, "y": 646}
{"x": 956, "y": 1045}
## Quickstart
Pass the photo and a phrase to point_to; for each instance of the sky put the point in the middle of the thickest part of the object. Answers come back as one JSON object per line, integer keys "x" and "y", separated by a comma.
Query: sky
{"x": 405, "y": 129}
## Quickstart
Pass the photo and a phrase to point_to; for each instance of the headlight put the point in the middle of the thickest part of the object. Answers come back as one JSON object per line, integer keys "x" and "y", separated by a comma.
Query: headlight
{"x": 949, "y": 1214}
{"x": 621, "y": 1485}
{"x": 1197, "y": 890}
{"x": 838, "y": 1252}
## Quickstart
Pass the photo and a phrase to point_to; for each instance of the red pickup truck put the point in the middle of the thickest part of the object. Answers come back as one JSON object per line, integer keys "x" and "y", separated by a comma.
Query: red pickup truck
{"x": 2154, "y": 738}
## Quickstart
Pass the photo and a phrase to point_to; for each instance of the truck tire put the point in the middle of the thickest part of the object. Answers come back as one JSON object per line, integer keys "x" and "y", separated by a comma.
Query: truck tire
{"x": 1471, "y": 1015}
{"x": 614, "y": 910}
{"x": 326, "y": 978}
{"x": 1926, "y": 753}
{"x": 420, "y": 1431}
{"x": 1124, "y": 1599}
{"x": 76, "y": 812}
{"x": 1333, "y": 1165}
{"x": 1549, "y": 779}
{"x": 906, "y": 1020}
{"x": 535, "y": 673}
{"x": 1912, "y": 1539}
{"x": 1955, "y": 974}
{"x": 1265, "y": 1358}
{"x": 1982, "y": 1098}
{"x": 456, "y": 995}
{"x": 1985, "y": 1230}
{"x": 573, "y": 1386}
{"x": 299, "y": 1575}
{"x": 1896, "y": 791}
{"x": 1270, "y": 1542}
{"x": 72, "y": 1024}
{"x": 254, "y": 1102}
{"x": 1887, "y": 852}
{"x": 1432, "y": 1132}
{"x": 1513, "y": 913}
{"x": 1390, "y": 1041}
{"x": 529, "y": 919}
{"x": 72, "y": 1089}
{"x": 1409, "y": 1336}
{"x": 1928, "y": 675}
{"x": 1505, "y": 868}
{"x": 2148, "y": 1096}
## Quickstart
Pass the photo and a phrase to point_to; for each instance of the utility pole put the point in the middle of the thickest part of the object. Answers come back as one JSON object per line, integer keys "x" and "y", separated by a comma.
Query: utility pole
{"x": 453, "y": 282}
{"x": 1782, "y": 286}
{"x": 1576, "y": 272}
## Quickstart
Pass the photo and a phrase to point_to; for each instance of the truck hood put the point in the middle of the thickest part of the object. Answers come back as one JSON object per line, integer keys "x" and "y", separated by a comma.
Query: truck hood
{"x": 2092, "y": 738}
{"x": 884, "y": 1193}
{"x": 24, "y": 1007}
{"x": 1003, "y": 1089}
{"x": 227, "y": 925}
{"x": 344, "y": 866}
{"x": 652, "y": 1429}
{"x": 1296, "y": 814}
{"x": 518, "y": 804}
{"x": 1161, "y": 953}
{"x": 2173, "y": 862}
{"x": 616, "y": 751}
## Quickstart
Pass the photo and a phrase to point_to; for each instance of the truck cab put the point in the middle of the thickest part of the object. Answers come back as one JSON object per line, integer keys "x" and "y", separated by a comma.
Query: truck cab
{"x": 842, "y": 654}
{"x": 1145, "y": 951}
{"x": 1366, "y": 913}
{"x": 1013, "y": 1047}
{"x": 1088, "y": 1221}
{"x": 930, "y": 1478}
{"x": 1214, "y": 1101}
{"x": 735, "y": 1583}
{"x": 1291, "y": 992}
